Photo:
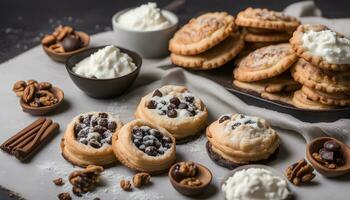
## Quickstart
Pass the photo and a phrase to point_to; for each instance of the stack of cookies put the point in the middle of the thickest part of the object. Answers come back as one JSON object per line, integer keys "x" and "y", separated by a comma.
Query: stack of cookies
{"x": 206, "y": 42}
{"x": 323, "y": 67}
{"x": 263, "y": 27}
{"x": 265, "y": 72}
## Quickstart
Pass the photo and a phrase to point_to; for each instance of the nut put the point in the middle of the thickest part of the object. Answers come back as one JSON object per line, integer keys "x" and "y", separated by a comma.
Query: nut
{"x": 192, "y": 182}
{"x": 184, "y": 170}
{"x": 58, "y": 181}
{"x": 32, "y": 82}
{"x": 141, "y": 179}
{"x": 48, "y": 40}
{"x": 125, "y": 185}
{"x": 28, "y": 93}
{"x": 85, "y": 180}
{"x": 19, "y": 87}
{"x": 57, "y": 48}
{"x": 44, "y": 86}
{"x": 64, "y": 196}
{"x": 300, "y": 172}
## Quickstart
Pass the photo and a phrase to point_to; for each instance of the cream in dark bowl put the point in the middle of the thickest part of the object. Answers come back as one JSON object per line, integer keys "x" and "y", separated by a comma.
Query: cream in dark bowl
{"x": 104, "y": 72}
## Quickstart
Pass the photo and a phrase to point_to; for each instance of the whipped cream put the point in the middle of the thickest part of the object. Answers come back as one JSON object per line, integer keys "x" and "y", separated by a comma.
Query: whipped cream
{"x": 255, "y": 184}
{"x": 146, "y": 17}
{"x": 329, "y": 46}
{"x": 106, "y": 63}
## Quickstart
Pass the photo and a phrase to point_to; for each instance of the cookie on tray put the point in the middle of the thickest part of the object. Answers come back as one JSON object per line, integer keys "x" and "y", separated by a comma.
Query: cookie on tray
{"x": 335, "y": 99}
{"x": 266, "y": 62}
{"x": 202, "y": 33}
{"x": 323, "y": 80}
{"x": 214, "y": 57}
{"x": 271, "y": 37}
{"x": 322, "y": 47}
{"x": 300, "y": 100}
{"x": 266, "y": 19}
{"x": 237, "y": 139}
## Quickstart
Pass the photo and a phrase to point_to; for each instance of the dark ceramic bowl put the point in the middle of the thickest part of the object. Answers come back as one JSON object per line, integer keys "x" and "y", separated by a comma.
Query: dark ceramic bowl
{"x": 103, "y": 88}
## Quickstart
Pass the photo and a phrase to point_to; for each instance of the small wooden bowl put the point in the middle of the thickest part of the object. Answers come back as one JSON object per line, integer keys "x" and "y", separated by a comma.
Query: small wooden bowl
{"x": 45, "y": 109}
{"x": 62, "y": 57}
{"x": 316, "y": 144}
{"x": 203, "y": 174}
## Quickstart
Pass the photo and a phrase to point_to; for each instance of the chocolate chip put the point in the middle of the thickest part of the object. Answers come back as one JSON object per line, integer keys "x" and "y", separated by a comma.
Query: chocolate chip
{"x": 235, "y": 125}
{"x": 327, "y": 155}
{"x": 189, "y": 98}
{"x": 86, "y": 120}
{"x": 81, "y": 119}
{"x": 99, "y": 129}
{"x": 103, "y": 122}
{"x": 78, "y": 127}
{"x": 112, "y": 126}
{"x": 172, "y": 106}
{"x": 155, "y": 133}
{"x": 157, "y": 93}
{"x": 94, "y": 122}
{"x": 183, "y": 106}
{"x": 137, "y": 142}
{"x": 152, "y": 104}
{"x": 71, "y": 43}
{"x": 171, "y": 113}
{"x": 94, "y": 143}
{"x": 223, "y": 118}
{"x": 103, "y": 115}
{"x": 176, "y": 101}
{"x": 151, "y": 151}
{"x": 331, "y": 145}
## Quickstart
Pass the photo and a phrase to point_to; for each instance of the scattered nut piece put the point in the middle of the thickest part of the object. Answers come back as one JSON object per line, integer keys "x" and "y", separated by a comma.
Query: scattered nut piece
{"x": 58, "y": 181}
{"x": 141, "y": 179}
{"x": 64, "y": 196}
{"x": 300, "y": 172}
{"x": 85, "y": 180}
{"x": 125, "y": 185}
{"x": 192, "y": 182}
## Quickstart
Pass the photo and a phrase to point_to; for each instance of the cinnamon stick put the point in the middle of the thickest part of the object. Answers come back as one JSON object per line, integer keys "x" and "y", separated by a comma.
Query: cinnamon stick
{"x": 29, "y": 149}
{"x": 23, "y": 137}
{"x": 46, "y": 124}
{"x": 21, "y": 133}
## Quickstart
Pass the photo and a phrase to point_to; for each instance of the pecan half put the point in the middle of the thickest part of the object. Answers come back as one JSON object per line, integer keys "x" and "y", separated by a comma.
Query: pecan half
{"x": 28, "y": 93}
{"x": 141, "y": 179}
{"x": 58, "y": 48}
{"x": 19, "y": 87}
{"x": 44, "y": 86}
{"x": 48, "y": 40}
{"x": 300, "y": 172}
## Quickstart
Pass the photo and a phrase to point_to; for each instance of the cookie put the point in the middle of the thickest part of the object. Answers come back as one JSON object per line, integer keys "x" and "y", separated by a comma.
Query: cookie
{"x": 266, "y": 19}
{"x": 281, "y": 97}
{"x": 318, "y": 79}
{"x": 322, "y": 47}
{"x": 202, "y": 33}
{"x": 264, "y": 31}
{"x": 213, "y": 58}
{"x": 277, "y": 84}
{"x": 266, "y": 62}
{"x": 335, "y": 99}
{"x": 300, "y": 100}
{"x": 272, "y": 37}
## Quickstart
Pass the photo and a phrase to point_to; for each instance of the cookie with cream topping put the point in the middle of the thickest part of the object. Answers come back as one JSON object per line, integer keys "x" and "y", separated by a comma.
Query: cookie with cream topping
{"x": 174, "y": 108}
{"x": 237, "y": 139}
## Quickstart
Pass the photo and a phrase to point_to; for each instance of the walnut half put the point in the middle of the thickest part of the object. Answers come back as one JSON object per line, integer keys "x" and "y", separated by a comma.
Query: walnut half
{"x": 141, "y": 179}
{"x": 300, "y": 172}
{"x": 85, "y": 180}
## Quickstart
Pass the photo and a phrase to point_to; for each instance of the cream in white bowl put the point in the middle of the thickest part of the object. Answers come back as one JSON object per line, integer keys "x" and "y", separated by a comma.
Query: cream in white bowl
{"x": 146, "y": 30}
{"x": 255, "y": 182}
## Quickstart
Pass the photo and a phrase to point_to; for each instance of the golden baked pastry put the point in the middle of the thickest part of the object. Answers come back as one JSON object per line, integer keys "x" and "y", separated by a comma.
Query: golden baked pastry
{"x": 88, "y": 139}
{"x": 174, "y": 108}
{"x": 144, "y": 147}
{"x": 266, "y": 62}
{"x": 202, "y": 33}
{"x": 239, "y": 139}
{"x": 300, "y": 100}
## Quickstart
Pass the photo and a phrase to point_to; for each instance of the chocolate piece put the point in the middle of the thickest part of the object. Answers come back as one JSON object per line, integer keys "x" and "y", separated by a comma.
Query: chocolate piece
{"x": 327, "y": 155}
{"x": 103, "y": 115}
{"x": 157, "y": 93}
{"x": 150, "y": 141}
{"x": 171, "y": 113}
{"x": 64, "y": 196}
{"x": 183, "y": 106}
{"x": 112, "y": 126}
{"x": 224, "y": 118}
{"x": 331, "y": 145}
{"x": 58, "y": 182}
{"x": 175, "y": 101}
{"x": 151, "y": 104}
{"x": 189, "y": 99}
{"x": 71, "y": 43}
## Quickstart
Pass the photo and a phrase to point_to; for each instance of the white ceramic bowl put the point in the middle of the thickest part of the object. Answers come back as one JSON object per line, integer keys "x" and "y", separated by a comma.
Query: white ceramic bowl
{"x": 149, "y": 44}
{"x": 272, "y": 170}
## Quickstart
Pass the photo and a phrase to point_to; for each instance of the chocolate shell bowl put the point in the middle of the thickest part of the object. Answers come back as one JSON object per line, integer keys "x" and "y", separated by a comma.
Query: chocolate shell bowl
{"x": 103, "y": 88}
{"x": 62, "y": 57}
{"x": 57, "y": 92}
{"x": 314, "y": 147}
{"x": 203, "y": 174}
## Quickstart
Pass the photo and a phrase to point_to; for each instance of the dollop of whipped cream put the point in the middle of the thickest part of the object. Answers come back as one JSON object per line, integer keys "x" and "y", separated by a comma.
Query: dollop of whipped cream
{"x": 106, "y": 63}
{"x": 255, "y": 184}
{"x": 329, "y": 46}
{"x": 146, "y": 17}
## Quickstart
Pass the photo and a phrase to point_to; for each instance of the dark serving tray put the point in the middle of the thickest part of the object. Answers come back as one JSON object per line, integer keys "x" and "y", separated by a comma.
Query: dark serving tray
{"x": 223, "y": 76}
